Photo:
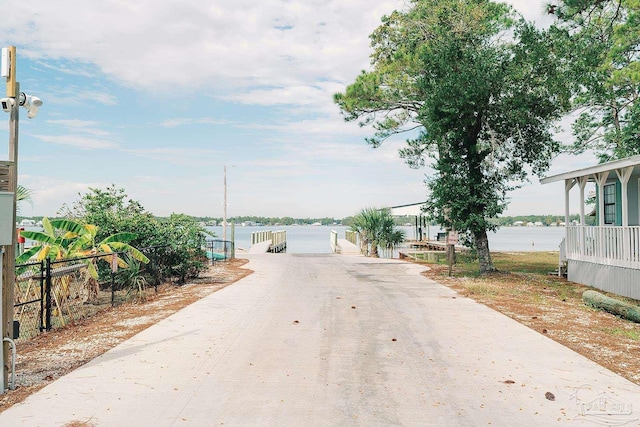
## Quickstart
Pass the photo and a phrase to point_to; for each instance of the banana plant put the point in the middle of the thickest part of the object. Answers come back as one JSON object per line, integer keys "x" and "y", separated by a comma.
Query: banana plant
{"x": 68, "y": 239}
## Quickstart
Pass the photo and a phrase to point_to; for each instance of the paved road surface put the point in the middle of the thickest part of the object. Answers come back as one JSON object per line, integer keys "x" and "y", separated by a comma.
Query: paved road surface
{"x": 329, "y": 340}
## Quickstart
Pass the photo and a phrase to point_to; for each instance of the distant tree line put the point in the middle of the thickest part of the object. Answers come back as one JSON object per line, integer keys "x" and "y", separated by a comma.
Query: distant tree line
{"x": 268, "y": 221}
{"x": 407, "y": 220}
{"x": 546, "y": 220}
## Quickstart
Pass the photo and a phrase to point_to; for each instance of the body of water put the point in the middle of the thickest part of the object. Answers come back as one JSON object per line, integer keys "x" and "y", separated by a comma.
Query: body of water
{"x": 315, "y": 239}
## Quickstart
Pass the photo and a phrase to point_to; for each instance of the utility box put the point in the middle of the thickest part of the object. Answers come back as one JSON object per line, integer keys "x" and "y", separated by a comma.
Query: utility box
{"x": 7, "y": 226}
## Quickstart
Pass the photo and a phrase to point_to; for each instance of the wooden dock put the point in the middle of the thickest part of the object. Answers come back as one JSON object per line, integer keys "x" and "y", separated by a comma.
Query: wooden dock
{"x": 268, "y": 241}
{"x": 427, "y": 245}
{"x": 432, "y": 250}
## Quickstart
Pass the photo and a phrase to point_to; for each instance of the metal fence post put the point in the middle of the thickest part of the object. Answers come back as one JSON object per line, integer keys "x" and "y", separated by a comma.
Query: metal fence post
{"x": 42, "y": 294}
{"x": 113, "y": 291}
{"x": 156, "y": 268}
{"x": 48, "y": 295}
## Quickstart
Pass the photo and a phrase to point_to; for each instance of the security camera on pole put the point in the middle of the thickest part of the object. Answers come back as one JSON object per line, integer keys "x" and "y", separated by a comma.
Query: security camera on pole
{"x": 10, "y": 104}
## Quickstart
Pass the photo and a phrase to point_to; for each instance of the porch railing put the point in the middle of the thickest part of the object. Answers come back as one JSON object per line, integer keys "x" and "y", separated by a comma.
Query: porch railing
{"x": 609, "y": 245}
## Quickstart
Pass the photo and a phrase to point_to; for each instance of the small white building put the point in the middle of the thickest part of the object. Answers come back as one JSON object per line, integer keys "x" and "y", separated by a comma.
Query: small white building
{"x": 607, "y": 255}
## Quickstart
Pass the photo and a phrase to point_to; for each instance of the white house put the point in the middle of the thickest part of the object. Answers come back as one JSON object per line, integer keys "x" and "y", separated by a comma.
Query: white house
{"x": 607, "y": 255}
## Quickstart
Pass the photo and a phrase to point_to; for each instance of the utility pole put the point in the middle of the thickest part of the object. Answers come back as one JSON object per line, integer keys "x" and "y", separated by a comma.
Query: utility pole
{"x": 9, "y": 259}
{"x": 11, "y": 103}
{"x": 224, "y": 218}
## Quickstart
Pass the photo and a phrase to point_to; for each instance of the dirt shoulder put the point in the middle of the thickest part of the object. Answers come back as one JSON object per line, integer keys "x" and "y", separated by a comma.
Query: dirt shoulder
{"x": 553, "y": 306}
{"x": 51, "y": 355}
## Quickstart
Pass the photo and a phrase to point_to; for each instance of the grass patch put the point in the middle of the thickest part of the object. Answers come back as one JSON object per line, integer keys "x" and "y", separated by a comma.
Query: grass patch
{"x": 633, "y": 334}
{"x": 509, "y": 262}
{"x": 526, "y": 262}
{"x": 482, "y": 289}
{"x": 522, "y": 275}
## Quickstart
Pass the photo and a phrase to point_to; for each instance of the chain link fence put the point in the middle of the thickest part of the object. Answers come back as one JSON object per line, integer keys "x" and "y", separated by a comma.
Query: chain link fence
{"x": 53, "y": 294}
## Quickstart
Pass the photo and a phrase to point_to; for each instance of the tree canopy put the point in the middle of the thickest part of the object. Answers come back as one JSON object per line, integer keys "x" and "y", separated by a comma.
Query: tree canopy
{"x": 602, "y": 38}
{"x": 476, "y": 89}
{"x": 175, "y": 244}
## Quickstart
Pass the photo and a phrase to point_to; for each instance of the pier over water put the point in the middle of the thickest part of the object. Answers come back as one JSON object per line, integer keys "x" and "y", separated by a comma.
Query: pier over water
{"x": 268, "y": 241}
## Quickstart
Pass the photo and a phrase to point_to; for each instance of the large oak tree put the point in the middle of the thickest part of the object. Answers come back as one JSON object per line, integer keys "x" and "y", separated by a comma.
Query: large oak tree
{"x": 478, "y": 90}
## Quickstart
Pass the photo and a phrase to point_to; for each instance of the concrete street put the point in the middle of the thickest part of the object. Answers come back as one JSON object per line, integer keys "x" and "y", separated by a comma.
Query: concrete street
{"x": 331, "y": 340}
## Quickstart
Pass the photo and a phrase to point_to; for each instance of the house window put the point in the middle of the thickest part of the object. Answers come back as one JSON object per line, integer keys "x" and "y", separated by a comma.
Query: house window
{"x": 610, "y": 204}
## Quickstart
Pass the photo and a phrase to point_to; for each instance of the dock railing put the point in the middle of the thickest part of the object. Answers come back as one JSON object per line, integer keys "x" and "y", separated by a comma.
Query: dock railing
{"x": 351, "y": 236}
{"x": 278, "y": 239}
{"x": 333, "y": 241}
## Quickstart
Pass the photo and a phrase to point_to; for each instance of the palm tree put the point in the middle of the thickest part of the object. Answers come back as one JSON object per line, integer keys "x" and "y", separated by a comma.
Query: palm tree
{"x": 376, "y": 229}
{"x": 23, "y": 194}
{"x": 392, "y": 238}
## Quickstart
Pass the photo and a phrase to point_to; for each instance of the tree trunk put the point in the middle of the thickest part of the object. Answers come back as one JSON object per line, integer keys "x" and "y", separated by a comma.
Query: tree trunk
{"x": 364, "y": 246}
{"x": 374, "y": 249}
{"x": 484, "y": 256}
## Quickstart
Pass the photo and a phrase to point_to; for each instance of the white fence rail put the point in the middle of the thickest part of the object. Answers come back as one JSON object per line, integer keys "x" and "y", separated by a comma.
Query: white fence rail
{"x": 334, "y": 241}
{"x": 609, "y": 245}
{"x": 278, "y": 239}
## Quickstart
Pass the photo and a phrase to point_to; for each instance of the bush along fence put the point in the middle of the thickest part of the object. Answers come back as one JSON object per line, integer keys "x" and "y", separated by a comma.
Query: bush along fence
{"x": 54, "y": 293}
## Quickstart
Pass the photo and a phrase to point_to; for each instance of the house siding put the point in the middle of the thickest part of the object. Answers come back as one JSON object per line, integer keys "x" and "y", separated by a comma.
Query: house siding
{"x": 618, "y": 280}
{"x": 632, "y": 197}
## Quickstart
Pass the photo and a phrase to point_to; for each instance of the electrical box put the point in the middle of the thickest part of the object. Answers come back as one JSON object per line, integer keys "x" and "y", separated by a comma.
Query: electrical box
{"x": 7, "y": 226}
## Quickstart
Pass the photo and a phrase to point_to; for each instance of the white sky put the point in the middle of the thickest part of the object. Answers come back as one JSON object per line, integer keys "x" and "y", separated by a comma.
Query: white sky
{"x": 158, "y": 96}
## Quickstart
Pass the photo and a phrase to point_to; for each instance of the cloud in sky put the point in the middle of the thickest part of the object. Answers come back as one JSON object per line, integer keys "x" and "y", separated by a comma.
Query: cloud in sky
{"x": 158, "y": 96}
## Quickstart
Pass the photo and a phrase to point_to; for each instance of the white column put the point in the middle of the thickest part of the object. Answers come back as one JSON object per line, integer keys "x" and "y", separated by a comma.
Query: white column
{"x": 624, "y": 175}
{"x": 568, "y": 185}
{"x": 582, "y": 183}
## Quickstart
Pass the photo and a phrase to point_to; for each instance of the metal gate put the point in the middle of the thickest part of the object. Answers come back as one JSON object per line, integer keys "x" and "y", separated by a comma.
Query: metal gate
{"x": 29, "y": 304}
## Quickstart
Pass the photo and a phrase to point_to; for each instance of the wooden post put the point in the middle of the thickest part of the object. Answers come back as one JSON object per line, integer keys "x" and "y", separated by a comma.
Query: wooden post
{"x": 452, "y": 240}
{"x": 451, "y": 257}
{"x": 9, "y": 260}
{"x": 12, "y": 84}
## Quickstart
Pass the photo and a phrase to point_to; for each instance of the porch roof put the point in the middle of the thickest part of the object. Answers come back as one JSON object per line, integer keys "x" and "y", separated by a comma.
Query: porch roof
{"x": 610, "y": 167}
